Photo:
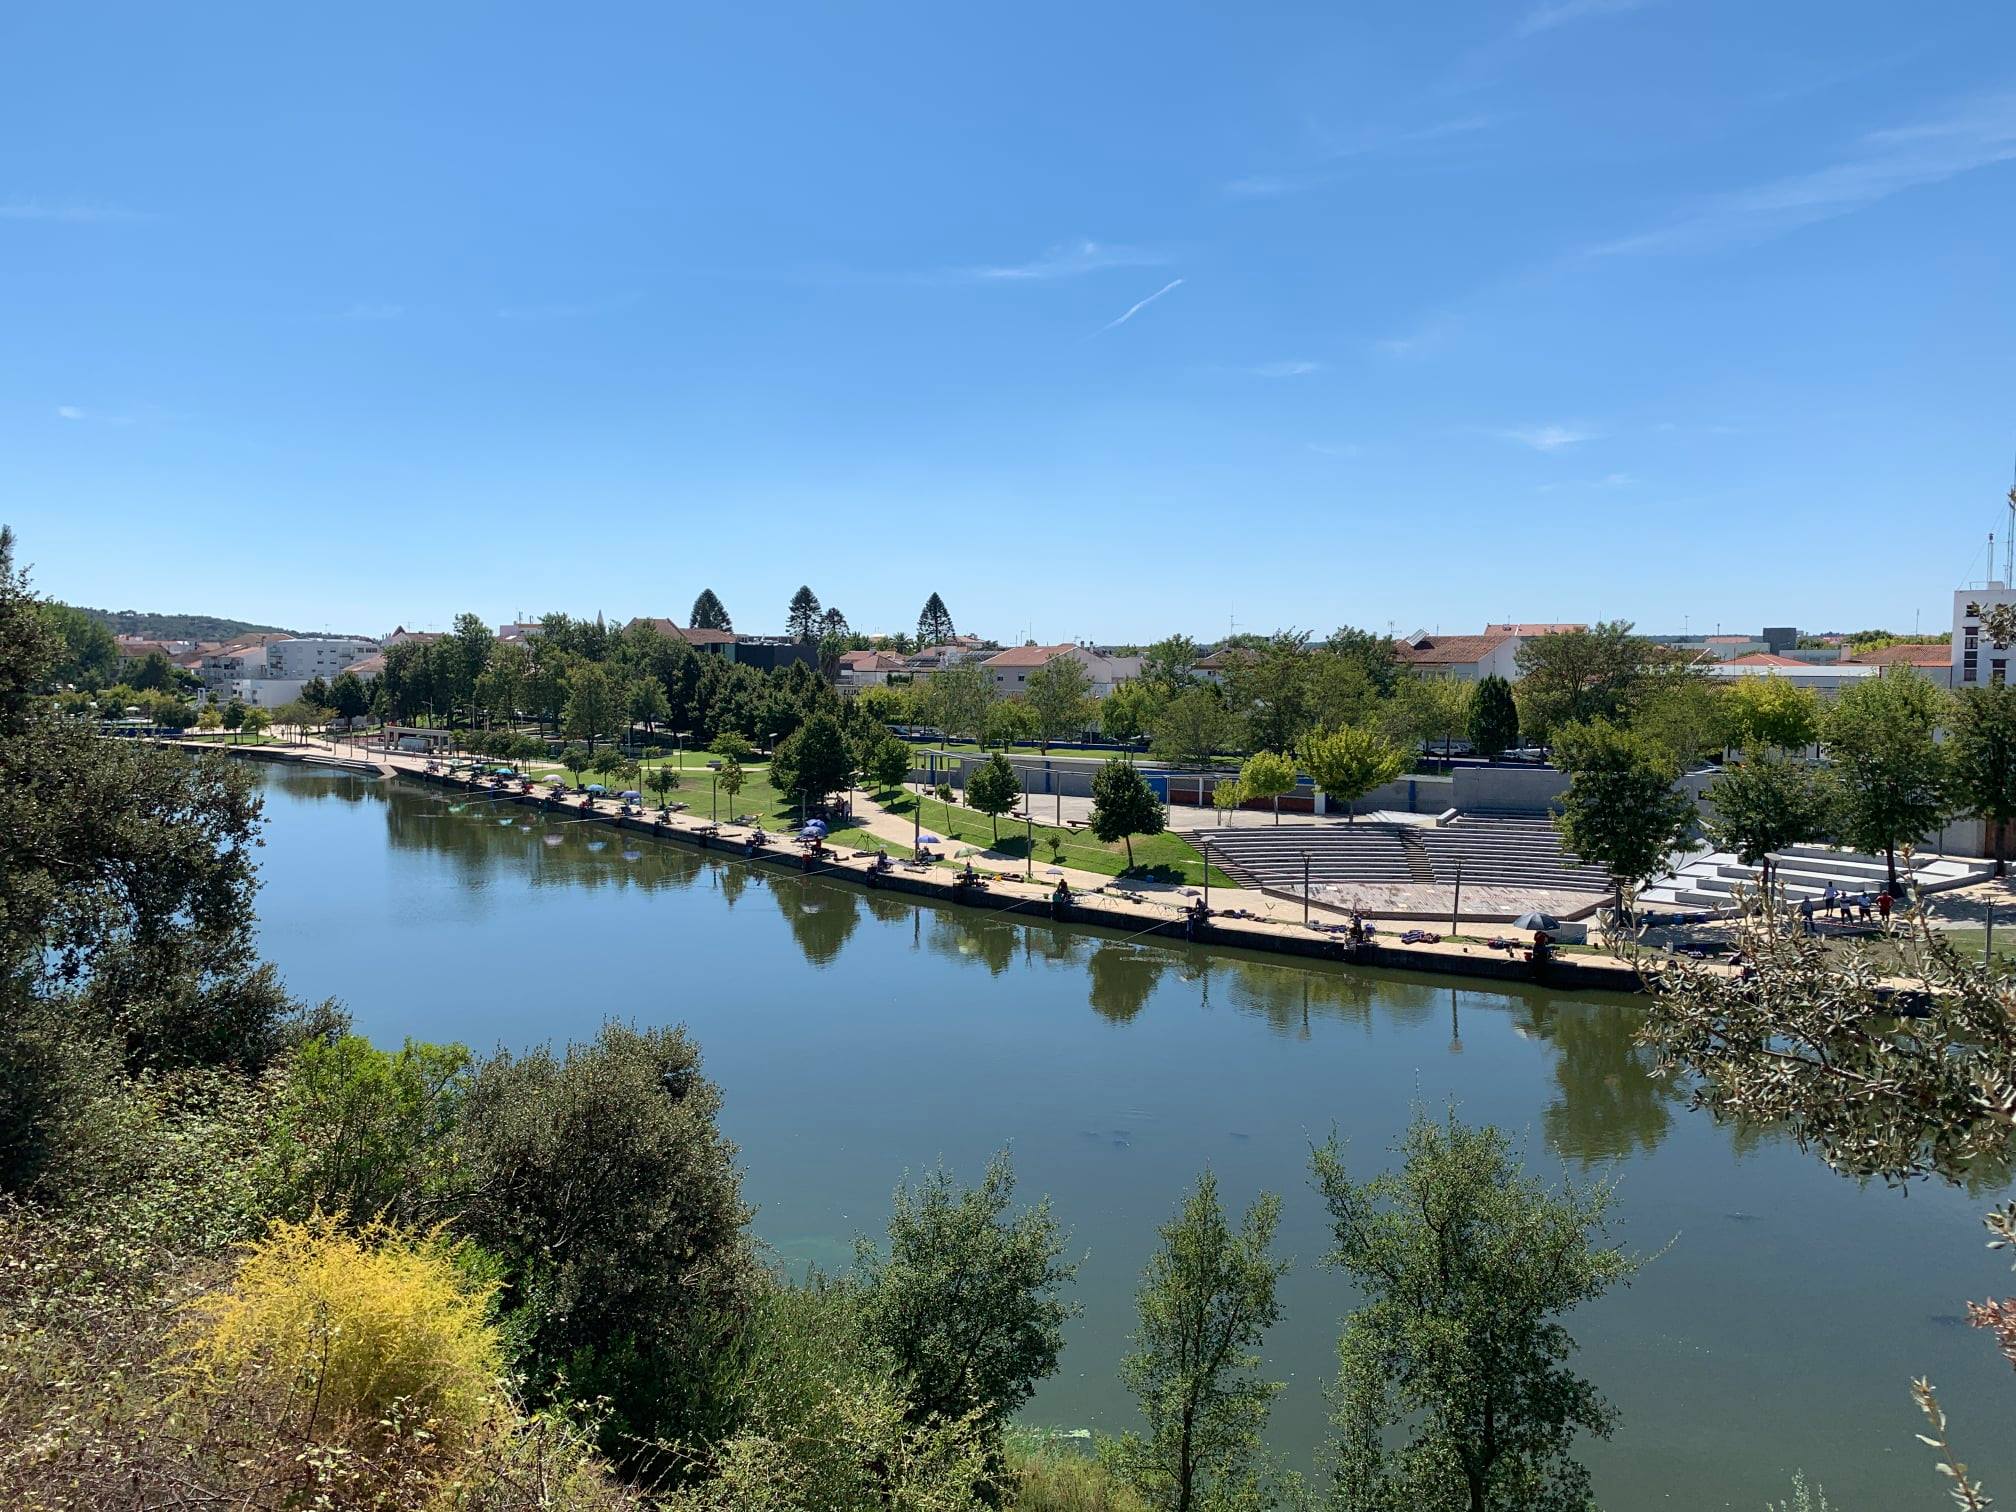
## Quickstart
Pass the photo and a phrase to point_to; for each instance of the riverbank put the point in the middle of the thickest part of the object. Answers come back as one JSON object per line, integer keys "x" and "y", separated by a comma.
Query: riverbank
{"x": 1134, "y": 915}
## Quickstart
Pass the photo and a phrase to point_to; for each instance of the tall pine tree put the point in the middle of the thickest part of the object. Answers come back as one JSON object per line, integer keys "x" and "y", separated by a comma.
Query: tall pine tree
{"x": 709, "y": 613}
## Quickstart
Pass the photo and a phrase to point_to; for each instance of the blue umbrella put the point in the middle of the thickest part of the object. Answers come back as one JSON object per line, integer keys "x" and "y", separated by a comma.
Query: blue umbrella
{"x": 633, "y": 795}
{"x": 927, "y": 838}
{"x": 595, "y": 787}
{"x": 814, "y": 827}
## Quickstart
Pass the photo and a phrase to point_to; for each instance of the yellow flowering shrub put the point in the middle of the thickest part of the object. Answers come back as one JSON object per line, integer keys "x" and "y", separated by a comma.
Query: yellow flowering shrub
{"x": 347, "y": 1337}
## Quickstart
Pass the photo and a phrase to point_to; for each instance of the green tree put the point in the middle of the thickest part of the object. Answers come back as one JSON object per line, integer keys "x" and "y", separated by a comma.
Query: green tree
{"x": 648, "y": 704}
{"x": 1267, "y": 774}
{"x": 1579, "y": 675}
{"x": 363, "y": 1132}
{"x": 993, "y": 789}
{"x": 1205, "y": 1304}
{"x": 234, "y": 718}
{"x": 956, "y": 700}
{"x": 1129, "y": 712}
{"x": 1494, "y": 718}
{"x": 1454, "y": 1388}
{"x": 730, "y": 779}
{"x": 888, "y": 763}
{"x": 126, "y": 904}
{"x": 1009, "y": 721}
{"x": 601, "y": 1181}
{"x": 1424, "y": 710}
{"x": 1123, "y": 805}
{"x": 1773, "y": 711}
{"x": 662, "y": 781}
{"x": 708, "y": 613}
{"x": 575, "y": 758}
{"x": 813, "y": 760}
{"x": 255, "y": 723}
{"x": 967, "y": 1301}
{"x": 732, "y": 747}
{"x": 1981, "y": 758}
{"x": 1193, "y": 726}
{"x": 1059, "y": 693}
{"x": 1684, "y": 713}
{"x": 1621, "y": 810}
{"x": 1349, "y": 762}
{"x": 1763, "y": 803}
{"x": 1267, "y": 689}
{"x": 1887, "y": 774}
{"x": 934, "y": 623}
{"x": 1170, "y": 665}
{"x": 1372, "y": 652}
{"x": 500, "y": 689}
{"x": 347, "y": 696}
{"x": 801, "y": 617}
{"x": 87, "y": 654}
{"x": 596, "y": 707}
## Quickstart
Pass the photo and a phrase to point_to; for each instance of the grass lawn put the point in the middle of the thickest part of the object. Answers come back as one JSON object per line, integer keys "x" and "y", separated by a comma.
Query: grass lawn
{"x": 1162, "y": 858}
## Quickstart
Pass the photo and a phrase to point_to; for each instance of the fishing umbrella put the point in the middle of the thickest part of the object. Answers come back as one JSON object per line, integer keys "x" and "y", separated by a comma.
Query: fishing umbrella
{"x": 927, "y": 838}
{"x": 632, "y": 795}
{"x": 1536, "y": 920}
{"x": 814, "y": 827}
{"x": 558, "y": 781}
{"x": 595, "y": 787}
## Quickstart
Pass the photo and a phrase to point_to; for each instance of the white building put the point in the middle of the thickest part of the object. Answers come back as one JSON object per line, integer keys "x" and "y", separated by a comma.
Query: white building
{"x": 1824, "y": 679}
{"x": 307, "y": 657}
{"x": 1462, "y": 658}
{"x": 1974, "y": 659}
{"x": 1010, "y": 669}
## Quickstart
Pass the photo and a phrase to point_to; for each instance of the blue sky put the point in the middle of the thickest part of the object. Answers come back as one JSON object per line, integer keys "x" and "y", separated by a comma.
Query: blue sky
{"x": 1103, "y": 321}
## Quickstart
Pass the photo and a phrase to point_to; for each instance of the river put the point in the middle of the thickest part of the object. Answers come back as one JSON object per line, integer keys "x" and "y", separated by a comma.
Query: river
{"x": 857, "y": 1036}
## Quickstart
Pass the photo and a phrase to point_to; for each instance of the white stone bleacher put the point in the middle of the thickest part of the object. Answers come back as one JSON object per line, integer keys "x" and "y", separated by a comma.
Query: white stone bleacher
{"x": 1717, "y": 880}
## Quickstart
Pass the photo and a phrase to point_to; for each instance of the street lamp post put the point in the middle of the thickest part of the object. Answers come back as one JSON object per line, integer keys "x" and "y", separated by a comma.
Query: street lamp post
{"x": 1207, "y": 876}
{"x": 1028, "y": 845}
{"x": 714, "y": 795}
{"x": 1456, "y": 904}
{"x": 1305, "y": 889}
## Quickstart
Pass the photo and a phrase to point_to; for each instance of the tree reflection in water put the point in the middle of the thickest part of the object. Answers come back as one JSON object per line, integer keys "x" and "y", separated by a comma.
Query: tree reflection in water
{"x": 1607, "y": 1103}
{"x": 821, "y": 915}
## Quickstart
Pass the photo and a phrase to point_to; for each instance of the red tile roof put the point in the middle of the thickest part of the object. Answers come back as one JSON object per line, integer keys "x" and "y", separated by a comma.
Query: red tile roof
{"x": 1765, "y": 659}
{"x": 1909, "y": 656}
{"x": 1449, "y": 650}
{"x": 1026, "y": 656}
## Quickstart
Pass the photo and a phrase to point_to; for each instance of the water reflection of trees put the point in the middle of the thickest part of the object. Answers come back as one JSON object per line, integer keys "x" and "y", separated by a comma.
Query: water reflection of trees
{"x": 484, "y": 837}
{"x": 821, "y": 915}
{"x": 1289, "y": 998}
{"x": 318, "y": 785}
{"x": 1609, "y": 1102}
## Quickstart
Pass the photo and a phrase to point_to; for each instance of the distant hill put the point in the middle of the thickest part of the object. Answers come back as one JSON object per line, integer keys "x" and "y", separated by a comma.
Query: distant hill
{"x": 197, "y": 627}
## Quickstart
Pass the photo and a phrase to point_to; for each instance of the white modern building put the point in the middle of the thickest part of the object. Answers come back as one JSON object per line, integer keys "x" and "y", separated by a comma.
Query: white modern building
{"x": 310, "y": 656}
{"x": 1975, "y": 660}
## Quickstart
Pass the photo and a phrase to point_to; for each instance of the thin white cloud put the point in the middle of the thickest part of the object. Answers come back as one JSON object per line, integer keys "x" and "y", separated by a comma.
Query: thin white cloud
{"x": 1285, "y": 369}
{"x": 1546, "y": 18}
{"x": 374, "y": 310}
{"x": 1882, "y": 163}
{"x": 1546, "y": 438}
{"x": 1073, "y": 260}
{"x": 79, "y": 415}
{"x": 1336, "y": 449}
{"x": 74, "y": 212}
{"x": 1337, "y": 150}
{"x": 1136, "y": 308}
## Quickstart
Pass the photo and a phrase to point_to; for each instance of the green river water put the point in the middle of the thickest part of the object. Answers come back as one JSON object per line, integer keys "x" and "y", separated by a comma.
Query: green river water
{"x": 858, "y": 1035}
